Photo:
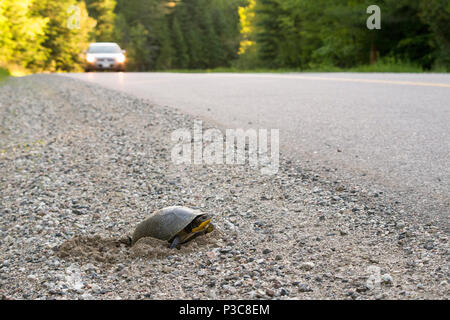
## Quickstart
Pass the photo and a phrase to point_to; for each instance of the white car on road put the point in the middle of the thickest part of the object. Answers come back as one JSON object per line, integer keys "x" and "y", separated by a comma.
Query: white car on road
{"x": 105, "y": 56}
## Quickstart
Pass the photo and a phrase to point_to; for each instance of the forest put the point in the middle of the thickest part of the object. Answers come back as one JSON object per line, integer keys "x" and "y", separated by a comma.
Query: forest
{"x": 158, "y": 35}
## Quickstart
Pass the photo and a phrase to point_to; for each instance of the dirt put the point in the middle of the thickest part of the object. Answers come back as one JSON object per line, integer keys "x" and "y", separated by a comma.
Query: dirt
{"x": 87, "y": 249}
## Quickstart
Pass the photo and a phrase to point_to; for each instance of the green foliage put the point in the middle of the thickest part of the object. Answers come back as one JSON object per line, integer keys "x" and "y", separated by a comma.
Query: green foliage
{"x": 388, "y": 64}
{"x": 305, "y": 34}
{"x": 138, "y": 48}
{"x": 181, "y": 56}
{"x": 3, "y": 74}
{"x": 193, "y": 34}
{"x": 436, "y": 14}
{"x": 166, "y": 51}
{"x": 21, "y": 35}
{"x": 144, "y": 33}
{"x": 103, "y": 12}
{"x": 62, "y": 45}
{"x": 157, "y": 34}
{"x": 228, "y": 34}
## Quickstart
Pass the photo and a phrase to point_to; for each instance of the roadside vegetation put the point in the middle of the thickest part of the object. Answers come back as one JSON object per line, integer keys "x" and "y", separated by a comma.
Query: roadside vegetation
{"x": 228, "y": 35}
{"x": 3, "y": 74}
{"x": 379, "y": 66}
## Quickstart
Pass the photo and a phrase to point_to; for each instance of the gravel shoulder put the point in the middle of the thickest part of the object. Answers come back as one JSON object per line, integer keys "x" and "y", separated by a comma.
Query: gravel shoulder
{"x": 81, "y": 166}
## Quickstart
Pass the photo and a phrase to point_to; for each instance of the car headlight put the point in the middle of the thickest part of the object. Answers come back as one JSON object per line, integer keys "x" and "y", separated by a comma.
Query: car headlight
{"x": 90, "y": 58}
{"x": 120, "y": 59}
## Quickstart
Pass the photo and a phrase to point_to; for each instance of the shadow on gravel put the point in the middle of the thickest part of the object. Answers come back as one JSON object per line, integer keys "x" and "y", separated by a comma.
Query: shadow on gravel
{"x": 109, "y": 250}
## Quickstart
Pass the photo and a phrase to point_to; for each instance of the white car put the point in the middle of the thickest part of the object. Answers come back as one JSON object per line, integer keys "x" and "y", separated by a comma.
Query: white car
{"x": 105, "y": 56}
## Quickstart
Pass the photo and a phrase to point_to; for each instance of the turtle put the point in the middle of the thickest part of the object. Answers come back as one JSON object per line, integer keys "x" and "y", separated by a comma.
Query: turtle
{"x": 176, "y": 224}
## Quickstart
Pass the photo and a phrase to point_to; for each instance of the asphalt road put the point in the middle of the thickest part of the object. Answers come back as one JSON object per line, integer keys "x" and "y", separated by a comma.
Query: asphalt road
{"x": 392, "y": 130}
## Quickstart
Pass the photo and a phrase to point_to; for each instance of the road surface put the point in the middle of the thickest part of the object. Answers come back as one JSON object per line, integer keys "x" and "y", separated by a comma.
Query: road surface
{"x": 391, "y": 130}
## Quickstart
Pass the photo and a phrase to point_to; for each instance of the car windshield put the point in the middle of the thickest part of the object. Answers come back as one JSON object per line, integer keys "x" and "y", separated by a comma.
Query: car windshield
{"x": 104, "y": 49}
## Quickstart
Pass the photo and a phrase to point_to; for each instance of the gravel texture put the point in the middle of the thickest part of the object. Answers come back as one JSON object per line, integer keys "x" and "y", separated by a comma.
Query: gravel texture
{"x": 81, "y": 166}
{"x": 385, "y": 134}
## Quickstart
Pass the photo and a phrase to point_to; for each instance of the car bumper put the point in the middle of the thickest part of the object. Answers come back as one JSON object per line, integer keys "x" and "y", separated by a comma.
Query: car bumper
{"x": 101, "y": 65}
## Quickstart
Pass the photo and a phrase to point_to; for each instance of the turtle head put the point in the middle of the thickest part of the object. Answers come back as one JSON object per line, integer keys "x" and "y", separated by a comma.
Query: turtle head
{"x": 201, "y": 223}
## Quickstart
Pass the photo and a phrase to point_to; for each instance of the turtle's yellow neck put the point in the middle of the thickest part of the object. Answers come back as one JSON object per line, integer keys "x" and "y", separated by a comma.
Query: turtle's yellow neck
{"x": 202, "y": 226}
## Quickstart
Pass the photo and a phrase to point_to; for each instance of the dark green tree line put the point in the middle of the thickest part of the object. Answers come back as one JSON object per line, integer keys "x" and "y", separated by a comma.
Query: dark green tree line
{"x": 203, "y": 34}
{"x": 303, "y": 33}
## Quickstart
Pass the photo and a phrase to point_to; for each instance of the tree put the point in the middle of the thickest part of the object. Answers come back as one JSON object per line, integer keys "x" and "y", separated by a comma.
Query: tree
{"x": 226, "y": 21}
{"x": 165, "y": 59}
{"x": 21, "y": 35}
{"x": 304, "y": 33}
{"x": 146, "y": 32}
{"x": 139, "y": 48}
{"x": 63, "y": 45}
{"x": 103, "y": 12}
{"x": 436, "y": 14}
{"x": 181, "y": 57}
{"x": 248, "y": 51}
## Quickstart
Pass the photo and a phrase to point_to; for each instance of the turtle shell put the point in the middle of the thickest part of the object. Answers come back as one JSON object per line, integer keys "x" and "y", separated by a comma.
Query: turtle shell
{"x": 166, "y": 223}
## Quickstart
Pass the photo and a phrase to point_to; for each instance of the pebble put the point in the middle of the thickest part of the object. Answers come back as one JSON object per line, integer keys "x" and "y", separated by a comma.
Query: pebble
{"x": 307, "y": 266}
{"x": 270, "y": 292}
{"x": 284, "y": 292}
{"x": 304, "y": 288}
{"x": 87, "y": 296}
{"x": 95, "y": 288}
{"x": 387, "y": 278}
{"x": 429, "y": 245}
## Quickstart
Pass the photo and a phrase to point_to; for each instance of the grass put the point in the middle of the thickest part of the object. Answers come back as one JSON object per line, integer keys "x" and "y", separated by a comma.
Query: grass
{"x": 230, "y": 70}
{"x": 381, "y": 66}
{"x": 3, "y": 74}
{"x": 388, "y": 66}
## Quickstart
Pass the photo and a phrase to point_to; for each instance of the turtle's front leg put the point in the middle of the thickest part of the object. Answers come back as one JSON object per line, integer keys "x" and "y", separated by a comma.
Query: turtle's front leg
{"x": 175, "y": 242}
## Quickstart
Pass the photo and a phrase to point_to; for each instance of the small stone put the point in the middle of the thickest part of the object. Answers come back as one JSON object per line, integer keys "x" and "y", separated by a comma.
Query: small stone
{"x": 270, "y": 292}
{"x": 429, "y": 245}
{"x": 304, "y": 288}
{"x": 386, "y": 278}
{"x": 307, "y": 266}
{"x": 211, "y": 255}
{"x": 284, "y": 292}
{"x": 88, "y": 267}
{"x": 32, "y": 277}
{"x": 225, "y": 250}
{"x": 266, "y": 251}
{"x": 201, "y": 273}
{"x": 260, "y": 293}
{"x": 95, "y": 288}
{"x": 229, "y": 289}
{"x": 87, "y": 296}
